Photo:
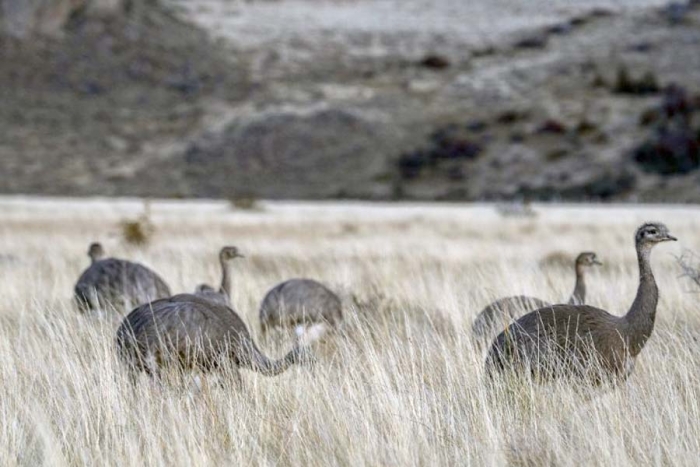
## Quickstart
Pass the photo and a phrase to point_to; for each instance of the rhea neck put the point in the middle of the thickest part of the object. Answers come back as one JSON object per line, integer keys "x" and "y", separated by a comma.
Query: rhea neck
{"x": 225, "y": 287}
{"x": 252, "y": 358}
{"x": 641, "y": 315}
{"x": 578, "y": 297}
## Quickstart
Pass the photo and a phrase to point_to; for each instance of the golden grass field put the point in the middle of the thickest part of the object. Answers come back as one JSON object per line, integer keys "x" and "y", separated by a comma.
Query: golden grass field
{"x": 401, "y": 384}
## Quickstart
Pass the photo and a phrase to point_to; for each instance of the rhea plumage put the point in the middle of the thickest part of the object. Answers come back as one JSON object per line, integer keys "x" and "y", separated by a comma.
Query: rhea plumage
{"x": 580, "y": 340}
{"x": 501, "y": 312}
{"x": 298, "y": 303}
{"x": 208, "y": 292}
{"x": 191, "y": 332}
{"x": 118, "y": 283}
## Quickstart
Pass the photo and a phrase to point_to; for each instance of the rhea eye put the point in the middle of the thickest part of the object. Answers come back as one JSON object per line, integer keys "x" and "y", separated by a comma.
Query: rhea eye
{"x": 653, "y": 231}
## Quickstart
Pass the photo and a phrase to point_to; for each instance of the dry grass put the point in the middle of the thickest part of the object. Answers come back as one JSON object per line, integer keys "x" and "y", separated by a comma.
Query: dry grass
{"x": 403, "y": 383}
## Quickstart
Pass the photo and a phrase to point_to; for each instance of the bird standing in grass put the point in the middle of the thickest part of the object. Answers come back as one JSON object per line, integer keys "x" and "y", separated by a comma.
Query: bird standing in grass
{"x": 118, "y": 283}
{"x": 190, "y": 332}
{"x": 504, "y": 310}
{"x": 579, "y": 340}
{"x": 299, "y": 303}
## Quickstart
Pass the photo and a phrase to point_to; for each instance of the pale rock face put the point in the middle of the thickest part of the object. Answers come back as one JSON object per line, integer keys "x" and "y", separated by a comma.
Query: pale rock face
{"x": 25, "y": 18}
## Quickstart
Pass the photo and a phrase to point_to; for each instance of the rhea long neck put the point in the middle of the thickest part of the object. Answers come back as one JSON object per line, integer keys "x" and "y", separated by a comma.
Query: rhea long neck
{"x": 225, "y": 287}
{"x": 578, "y": 297}
{"x": 258, "y": 362}
{"x": 641, "y": 315}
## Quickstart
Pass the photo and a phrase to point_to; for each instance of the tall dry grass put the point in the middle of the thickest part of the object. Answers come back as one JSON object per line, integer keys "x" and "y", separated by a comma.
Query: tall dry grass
{"x": 402, "y": 384}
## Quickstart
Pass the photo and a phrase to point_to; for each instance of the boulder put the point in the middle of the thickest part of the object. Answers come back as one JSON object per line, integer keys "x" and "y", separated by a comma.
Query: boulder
{"x": 290, "y": 153}
{"x": 23, "y": 19}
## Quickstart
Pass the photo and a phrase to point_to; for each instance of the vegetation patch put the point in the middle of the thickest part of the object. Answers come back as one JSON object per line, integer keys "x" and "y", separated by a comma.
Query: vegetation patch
{"x": 673, "y": 145}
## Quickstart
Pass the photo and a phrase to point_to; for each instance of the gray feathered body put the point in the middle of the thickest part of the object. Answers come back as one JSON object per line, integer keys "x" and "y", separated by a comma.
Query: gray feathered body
{"x": 209, "y": 293}
{"x": 558, "y": 340}
{"x": 583, "y": 341}
{"x": 118, "y": 283}
{"x": 498, "y": 314}
{"x": 299, "y": 302}
{"x": 191, "y": 332}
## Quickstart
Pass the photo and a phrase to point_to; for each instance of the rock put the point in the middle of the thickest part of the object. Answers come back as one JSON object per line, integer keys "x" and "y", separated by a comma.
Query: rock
{"x": 435, "y": 62}
{"x": 586, "y": 127}
{"x": 536, "y": 41}
{"x": 456, "y": 173}
{"x": 91, "y": 88}
{"x": 447, "y": 145}
{"x": 601, "y": 13}
{"x": 676, "y": 12}
{"x": 117, "y": 143}
{"x": 643, "y": 86}
{"x": 560, "y": 28}
{"x": 511, "y": 116}
{"x": 184, "y": 80}
{"x": 677, "y": 103}
{"x": 552, "y": 126}
{"x": 476, "y": 126}
{"x": 649, "y": 117}
{"x": 293, "y": 153}
{"x": 641, "y": 47}
{"x": 24, "y": 19}
{"x": 411, "y": 164}
{"x": 423, "y": 86}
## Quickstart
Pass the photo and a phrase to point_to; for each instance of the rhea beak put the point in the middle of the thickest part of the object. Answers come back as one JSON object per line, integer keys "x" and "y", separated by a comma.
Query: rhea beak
{"x": 597, "y": 263}
{"x": 238, "y": 255}
{"x": 670, "y": 238}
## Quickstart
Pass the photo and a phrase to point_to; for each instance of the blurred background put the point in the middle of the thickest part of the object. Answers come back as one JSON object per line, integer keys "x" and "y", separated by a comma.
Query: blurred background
{"x": 567, "y": 100}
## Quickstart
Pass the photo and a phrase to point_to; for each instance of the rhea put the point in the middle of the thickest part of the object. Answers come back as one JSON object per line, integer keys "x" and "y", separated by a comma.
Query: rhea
{"x": 299, "y": 303}
{"x": 116, "y": 282}
{"x": 223, "y": 295}
{"x": 189, "y": 332}
{"x": 581, "y": 341}
{"x": 501, "y": 312}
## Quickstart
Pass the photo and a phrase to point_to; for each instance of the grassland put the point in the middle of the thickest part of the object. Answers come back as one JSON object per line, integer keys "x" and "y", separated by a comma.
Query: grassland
{"x": 402, "y": 383}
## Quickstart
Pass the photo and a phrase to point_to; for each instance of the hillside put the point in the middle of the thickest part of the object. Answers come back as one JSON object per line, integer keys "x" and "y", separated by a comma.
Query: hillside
{"x": 314, "y": 100}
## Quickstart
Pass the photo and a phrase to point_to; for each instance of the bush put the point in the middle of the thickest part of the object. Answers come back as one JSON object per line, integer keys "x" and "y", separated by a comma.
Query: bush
{"x": 140, "y": 231}
{"x": 626, "y": 84}
{"x": 245, "y": 203}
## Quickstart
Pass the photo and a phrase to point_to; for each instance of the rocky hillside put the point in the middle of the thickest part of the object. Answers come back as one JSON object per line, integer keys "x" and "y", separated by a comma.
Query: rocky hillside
{"x": 594, "y": 103}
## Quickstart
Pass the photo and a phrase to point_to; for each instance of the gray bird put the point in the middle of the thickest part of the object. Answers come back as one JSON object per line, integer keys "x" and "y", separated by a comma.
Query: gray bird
{"x": 223, "y": 295}
{"x": 498, "y": 314}
{"x": 110, "y": 282}
{"x": 581, "y": 341}
{"x": 298, "y": 303}
{"x": 190, "y": 332}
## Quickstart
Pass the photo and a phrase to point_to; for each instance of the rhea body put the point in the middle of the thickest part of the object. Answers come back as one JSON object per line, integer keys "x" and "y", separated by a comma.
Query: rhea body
{"x": 583, "y": 341}
{"x": 116, "y": 282}
{"x": 501, "y": 312}
{"x": 298, "y": 303}
{"x": 192, "y": 332}
{"x": 223, "y": 294}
